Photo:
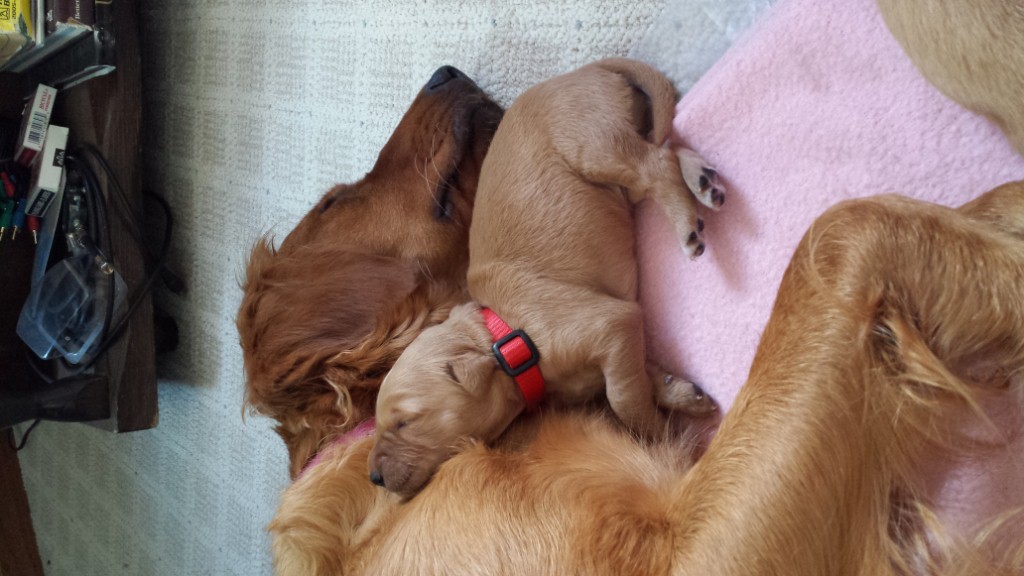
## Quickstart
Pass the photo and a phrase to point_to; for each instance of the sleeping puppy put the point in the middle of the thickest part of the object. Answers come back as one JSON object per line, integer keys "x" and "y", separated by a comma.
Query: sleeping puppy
{"x": 973, "y": 52}
{"x": 324, "y": 316}
{"x": 551, "y": 253}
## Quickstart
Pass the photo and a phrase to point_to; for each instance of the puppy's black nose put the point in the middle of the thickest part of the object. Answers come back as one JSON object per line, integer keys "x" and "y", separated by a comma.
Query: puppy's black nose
{"x": 441, "y": 76}
{"x": 377, "y": 478}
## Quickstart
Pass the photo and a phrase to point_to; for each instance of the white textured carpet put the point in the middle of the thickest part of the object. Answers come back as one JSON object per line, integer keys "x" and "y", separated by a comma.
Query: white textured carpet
{"x": 251, "y": 110}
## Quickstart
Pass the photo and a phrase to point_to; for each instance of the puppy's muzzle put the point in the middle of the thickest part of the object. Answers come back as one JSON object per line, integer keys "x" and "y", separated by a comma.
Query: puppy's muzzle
{"x": 388, "y": 473}
{"x": 394, "y": 474}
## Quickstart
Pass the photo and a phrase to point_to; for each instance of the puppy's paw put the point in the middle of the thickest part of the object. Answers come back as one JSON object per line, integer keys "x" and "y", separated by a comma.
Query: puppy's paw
{"x": 683, "y": 396}
{"x": 701, "y": 179}
{"x": 693, "y": 243}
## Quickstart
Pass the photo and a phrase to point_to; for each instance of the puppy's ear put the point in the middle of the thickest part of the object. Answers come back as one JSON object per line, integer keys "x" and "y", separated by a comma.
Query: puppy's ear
{"x": 473, "y": 371}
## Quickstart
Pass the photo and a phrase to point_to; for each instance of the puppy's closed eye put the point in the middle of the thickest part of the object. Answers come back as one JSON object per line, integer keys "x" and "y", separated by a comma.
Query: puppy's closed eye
{"x": 402, "y": 420}
{"x": 451, "y": 372}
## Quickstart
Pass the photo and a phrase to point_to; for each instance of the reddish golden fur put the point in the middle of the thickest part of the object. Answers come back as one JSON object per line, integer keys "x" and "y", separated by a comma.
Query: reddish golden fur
{"x": 972, "y": 51}
{"x": 324, "y": 317}
{"x": 552, "y": 252}
{"x": 893, "y": 315}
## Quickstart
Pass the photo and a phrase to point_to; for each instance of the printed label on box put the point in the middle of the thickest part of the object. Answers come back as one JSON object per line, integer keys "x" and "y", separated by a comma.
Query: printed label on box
{"x": 47, "y": 174}
{"x": 34, "y": 123}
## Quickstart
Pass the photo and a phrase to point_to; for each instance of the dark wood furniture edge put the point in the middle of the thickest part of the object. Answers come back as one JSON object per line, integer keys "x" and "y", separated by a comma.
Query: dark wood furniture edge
{"x": 19, "y": 553}
{"x": 107, "y": 111}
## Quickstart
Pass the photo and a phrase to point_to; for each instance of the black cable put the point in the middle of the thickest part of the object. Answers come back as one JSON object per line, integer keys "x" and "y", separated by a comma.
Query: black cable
{"x": 130, "y": 217}
{"x": 114, "y": 333}
{"x": 97, "y": 210}
{"x": 97, "y": 203}
{"x": 174, "y": 283}
{"x": 24, "y": 437}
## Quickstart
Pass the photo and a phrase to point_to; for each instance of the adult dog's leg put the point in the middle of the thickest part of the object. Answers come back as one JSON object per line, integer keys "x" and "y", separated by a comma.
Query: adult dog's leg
{"x": 810, "y": 473}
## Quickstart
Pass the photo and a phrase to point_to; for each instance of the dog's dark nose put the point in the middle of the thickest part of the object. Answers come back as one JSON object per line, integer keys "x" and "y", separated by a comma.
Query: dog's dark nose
{"x": 441, "y": 76}
{"x": 377, "y": 478}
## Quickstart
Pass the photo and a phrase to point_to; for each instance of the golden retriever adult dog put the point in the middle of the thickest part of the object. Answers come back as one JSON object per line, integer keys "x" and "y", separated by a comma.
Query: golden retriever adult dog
{"x": 324, "y": 316}
{"x": 893, "y": 316}
{"x": 973, "y": 52}
{"x": 551, "y": 253}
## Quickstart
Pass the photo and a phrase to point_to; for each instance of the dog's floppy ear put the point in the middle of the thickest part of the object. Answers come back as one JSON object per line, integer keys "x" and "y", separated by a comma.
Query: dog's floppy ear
{"x": 316, "y": 325}
{"x": 302, "y": 309}
{"x": 471, "y": 363}
{"x": 473, "y": 370}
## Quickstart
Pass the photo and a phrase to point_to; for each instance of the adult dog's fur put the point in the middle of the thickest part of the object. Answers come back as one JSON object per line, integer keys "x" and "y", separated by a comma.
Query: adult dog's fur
{"x": 324, "y": 316}
{"x": 972, "y": 51}
{"x": 893, "y": 315}
{"x": 552, "y": 252}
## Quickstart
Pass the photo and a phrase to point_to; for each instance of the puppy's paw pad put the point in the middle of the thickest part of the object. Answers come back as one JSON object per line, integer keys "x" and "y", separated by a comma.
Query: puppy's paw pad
{"x": 702, "y": 180}
{"x": 694, "y": 246}
{"x": 709, "y": 191}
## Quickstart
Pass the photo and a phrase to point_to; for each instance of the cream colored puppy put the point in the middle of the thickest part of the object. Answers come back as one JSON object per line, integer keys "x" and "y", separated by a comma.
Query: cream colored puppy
{"x": 552, "y": 254}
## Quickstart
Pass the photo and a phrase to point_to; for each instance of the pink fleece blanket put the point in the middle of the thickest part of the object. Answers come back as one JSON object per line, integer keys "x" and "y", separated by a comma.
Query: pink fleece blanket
{"x": 816, "y": 104}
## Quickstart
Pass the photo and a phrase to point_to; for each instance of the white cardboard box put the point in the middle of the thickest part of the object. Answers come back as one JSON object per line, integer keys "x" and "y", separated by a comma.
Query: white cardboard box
{"x": 33, "y": 125}
{"x": 47, "y": 171}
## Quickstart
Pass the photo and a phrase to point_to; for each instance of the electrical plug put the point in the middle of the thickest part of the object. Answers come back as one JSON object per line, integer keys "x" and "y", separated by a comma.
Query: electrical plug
{"x": 9, "y": 187}
{"x": 33, "y": 226}
{"x": 5, "y": 218}
{"x": 18, "y": 219}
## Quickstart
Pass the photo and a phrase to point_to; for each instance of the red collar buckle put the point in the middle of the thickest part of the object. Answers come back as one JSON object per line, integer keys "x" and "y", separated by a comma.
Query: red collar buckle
{"x": 518, "y": 357}
{"x": 513, "y": 353}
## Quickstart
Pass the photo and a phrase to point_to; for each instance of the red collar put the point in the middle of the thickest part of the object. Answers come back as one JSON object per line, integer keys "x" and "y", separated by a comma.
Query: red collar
{"x": 517, "y": 356}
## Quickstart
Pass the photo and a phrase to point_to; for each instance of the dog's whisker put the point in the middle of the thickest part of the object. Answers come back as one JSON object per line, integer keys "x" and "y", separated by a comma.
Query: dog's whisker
{"x": 427, "y": 185}
{"x": 433, "y": 163}
{"x": 426, "y": 270}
